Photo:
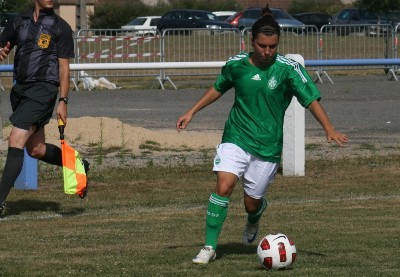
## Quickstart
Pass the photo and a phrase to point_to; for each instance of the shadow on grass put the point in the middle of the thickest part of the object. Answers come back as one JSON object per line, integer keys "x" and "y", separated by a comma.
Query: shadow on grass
{"x": 24, "y": 205}
{"x": 236, "y": 248}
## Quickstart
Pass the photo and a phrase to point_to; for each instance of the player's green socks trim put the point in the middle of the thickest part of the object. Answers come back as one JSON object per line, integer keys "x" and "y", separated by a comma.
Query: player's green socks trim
{"x": 254, "y": 218}
{"x": 216, "y": 214}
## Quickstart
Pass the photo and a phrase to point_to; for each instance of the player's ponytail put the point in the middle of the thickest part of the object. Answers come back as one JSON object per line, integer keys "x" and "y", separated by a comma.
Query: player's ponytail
{"x": 266, "y": 12}
{"x": 266, "y": 24}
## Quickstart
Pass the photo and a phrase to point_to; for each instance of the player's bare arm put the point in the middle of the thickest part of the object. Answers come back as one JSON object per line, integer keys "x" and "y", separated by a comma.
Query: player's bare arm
{"x": 209, "y": 97}
{"x": 321, "y": 116}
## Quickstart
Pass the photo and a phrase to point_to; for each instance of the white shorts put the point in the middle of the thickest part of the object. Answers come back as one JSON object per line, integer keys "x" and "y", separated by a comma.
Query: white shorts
{"x": 256, "y": 174}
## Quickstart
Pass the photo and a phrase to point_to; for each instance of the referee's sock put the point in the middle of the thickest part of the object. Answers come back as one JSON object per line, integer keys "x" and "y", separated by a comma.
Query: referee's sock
{"x": 12, "y": 168}
{"x": 53, "y": 155}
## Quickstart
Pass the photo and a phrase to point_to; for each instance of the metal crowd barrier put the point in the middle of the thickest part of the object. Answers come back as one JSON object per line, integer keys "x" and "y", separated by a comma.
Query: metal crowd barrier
{"x": 331, "y": 42}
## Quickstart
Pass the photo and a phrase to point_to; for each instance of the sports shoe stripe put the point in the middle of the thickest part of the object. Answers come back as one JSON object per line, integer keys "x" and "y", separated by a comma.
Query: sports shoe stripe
{"x": 219, "y": 202}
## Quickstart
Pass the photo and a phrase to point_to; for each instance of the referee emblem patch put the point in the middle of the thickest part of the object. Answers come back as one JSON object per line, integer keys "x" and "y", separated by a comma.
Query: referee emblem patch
{"x": 44, "y": 41}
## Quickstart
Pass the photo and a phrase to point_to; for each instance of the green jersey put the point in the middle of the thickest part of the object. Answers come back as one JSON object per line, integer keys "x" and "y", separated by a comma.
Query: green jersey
{"x": 262, "y": 95}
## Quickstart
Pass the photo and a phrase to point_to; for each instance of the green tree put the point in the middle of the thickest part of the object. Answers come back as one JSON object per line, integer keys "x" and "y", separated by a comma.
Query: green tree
{"x": 227, "y": 5}
{"x": 111, "y": 15}
{"x": 326, "y": 6}
{"x": 15, "y": 5}
{"x": 378, "y": 6}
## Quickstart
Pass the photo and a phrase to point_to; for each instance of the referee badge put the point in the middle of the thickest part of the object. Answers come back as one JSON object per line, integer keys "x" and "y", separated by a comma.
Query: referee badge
{"x": 44, "y": 41}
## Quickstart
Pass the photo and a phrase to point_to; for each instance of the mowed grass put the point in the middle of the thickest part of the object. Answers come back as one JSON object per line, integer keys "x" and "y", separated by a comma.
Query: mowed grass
{"x": 343, "y": 216}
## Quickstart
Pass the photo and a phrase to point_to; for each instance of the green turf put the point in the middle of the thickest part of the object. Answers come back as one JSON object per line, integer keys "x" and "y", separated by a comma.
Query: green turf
{"x": 343, "y": 216}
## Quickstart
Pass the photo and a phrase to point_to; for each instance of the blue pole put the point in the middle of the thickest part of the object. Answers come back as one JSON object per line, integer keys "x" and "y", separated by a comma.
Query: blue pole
{"x": 28, "y": 179}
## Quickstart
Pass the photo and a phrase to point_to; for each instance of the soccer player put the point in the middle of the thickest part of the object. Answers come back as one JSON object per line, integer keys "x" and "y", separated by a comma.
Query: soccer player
{"x": 265, "y": 83}
{"x": 44, "y": 45}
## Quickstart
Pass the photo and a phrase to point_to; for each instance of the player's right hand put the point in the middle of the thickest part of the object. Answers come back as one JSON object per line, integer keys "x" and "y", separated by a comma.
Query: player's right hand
{"x": 183, "y": 121}
{"x": 5, "y": 51}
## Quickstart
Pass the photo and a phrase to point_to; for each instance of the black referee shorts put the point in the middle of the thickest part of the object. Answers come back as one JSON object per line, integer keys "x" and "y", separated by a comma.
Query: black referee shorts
{"x": 32, "y": 104}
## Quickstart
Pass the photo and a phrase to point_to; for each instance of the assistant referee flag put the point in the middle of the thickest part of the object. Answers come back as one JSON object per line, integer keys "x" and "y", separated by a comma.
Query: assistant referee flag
{"x": 75, "y": 179}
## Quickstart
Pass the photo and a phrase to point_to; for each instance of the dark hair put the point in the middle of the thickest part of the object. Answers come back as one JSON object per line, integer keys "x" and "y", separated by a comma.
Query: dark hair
{"x": 266, "y": 24}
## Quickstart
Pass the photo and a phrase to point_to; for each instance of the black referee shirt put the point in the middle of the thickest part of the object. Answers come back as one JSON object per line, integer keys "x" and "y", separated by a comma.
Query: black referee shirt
{"x": 39, "y": 45}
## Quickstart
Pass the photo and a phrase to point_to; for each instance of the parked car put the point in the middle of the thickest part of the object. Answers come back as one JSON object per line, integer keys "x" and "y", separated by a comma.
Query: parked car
{"x": 146, "y": 24}
{"x": 313, "y": 18}
{"x": 223, "y": 15}
{"x": 394, "y": 18}
{"x": 284, "y": 19}
{"x": 187, "y": 18}
{"x": 359, "y": 17}
{"x": 234, "y": 19}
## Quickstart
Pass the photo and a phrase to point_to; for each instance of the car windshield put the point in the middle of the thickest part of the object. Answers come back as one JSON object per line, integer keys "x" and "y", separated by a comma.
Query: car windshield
{"x": 137, "y": 21}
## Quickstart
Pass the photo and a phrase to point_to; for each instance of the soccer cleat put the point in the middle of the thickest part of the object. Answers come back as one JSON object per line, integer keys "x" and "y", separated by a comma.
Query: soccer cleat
{"x": 206, "y": 254}
{"x": 250, "y": 233}
{"x": 86, "y": 165}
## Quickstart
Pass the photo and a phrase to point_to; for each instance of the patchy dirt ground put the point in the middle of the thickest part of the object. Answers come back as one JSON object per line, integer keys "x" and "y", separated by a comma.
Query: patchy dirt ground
{"x": 107, "y": 141}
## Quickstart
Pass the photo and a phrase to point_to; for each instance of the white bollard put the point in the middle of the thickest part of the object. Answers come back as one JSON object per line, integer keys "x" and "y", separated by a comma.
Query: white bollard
{"x": 293, "y": 156}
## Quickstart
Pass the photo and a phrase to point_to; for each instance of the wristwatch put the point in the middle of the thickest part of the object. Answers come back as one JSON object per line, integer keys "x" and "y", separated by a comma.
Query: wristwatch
{"x": 65, "y": 99}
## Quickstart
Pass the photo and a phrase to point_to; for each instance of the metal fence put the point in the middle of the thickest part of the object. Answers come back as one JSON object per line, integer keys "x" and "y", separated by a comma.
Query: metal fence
{"x": 202, "y": 45}
{"x": 118, "y": 46}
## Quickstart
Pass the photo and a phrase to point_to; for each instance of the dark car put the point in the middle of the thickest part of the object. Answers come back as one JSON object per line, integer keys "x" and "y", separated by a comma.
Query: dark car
{"x": 313, "y": 18}
{"x": 251, "y": 15}
{"x": 189, "y": 19}
{"x": 365, "y": 22}
{"x": 394, "y": 17}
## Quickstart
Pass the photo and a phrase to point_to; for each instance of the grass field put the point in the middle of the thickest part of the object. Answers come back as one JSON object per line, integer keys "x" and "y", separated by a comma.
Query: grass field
{"x": 343, "y": 216}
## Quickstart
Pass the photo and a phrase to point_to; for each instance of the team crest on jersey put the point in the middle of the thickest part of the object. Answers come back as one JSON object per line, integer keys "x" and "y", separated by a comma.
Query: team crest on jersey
{"x": 272, "y": 83}
{"x": 44, "y": 41}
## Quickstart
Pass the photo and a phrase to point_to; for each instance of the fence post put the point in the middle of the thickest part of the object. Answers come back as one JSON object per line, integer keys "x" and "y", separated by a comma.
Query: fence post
{"x": 293, "y": 156}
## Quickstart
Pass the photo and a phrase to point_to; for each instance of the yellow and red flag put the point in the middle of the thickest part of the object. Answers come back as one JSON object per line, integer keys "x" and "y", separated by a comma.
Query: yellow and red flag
{"x": 75, "y": 179}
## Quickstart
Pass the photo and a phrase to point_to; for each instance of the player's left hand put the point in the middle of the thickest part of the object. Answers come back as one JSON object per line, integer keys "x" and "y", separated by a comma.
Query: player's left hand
{"x": 339, "y": 138}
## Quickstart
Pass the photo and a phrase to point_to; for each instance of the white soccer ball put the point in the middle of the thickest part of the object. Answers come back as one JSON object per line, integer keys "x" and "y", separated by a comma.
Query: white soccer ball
{"x": 276, "y": 252}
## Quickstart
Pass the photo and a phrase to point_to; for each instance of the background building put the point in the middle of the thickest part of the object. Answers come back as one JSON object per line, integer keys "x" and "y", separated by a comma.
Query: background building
{"x": 282, "y": 4}
{"x": 76, "y": 12}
